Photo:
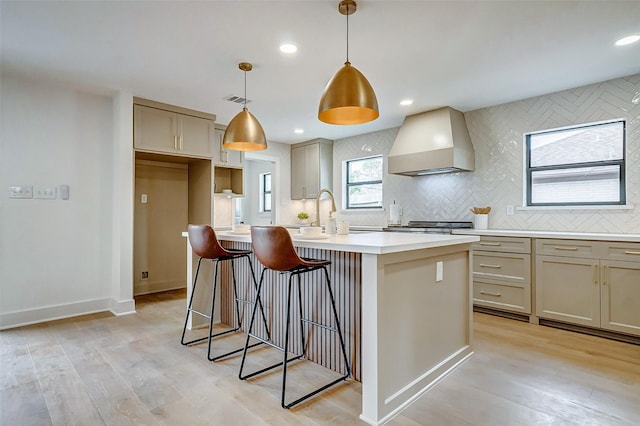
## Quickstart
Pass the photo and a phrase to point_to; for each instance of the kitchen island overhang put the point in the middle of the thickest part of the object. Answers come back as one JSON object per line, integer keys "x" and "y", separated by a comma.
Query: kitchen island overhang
{"x": 410, "y": 300}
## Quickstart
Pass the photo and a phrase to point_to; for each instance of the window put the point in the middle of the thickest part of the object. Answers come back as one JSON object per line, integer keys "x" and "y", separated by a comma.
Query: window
{"x": 577, "y": 166}
{"x": 265, "y": 192}
{"x": 364, "y": 183}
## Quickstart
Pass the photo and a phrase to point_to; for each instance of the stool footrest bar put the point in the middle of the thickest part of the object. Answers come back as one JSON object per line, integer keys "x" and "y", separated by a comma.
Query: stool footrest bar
{"x": 215, "y": 358}
{"x": 326, "y": 327}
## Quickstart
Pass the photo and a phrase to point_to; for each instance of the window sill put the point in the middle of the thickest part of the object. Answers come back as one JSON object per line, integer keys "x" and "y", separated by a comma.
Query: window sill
{"x": 370, "y": 210}
{"x": 551, "y": 208}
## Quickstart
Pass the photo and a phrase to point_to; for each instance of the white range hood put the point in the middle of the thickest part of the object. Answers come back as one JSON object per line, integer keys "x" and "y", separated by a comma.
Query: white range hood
{"x": 432, "y": 142}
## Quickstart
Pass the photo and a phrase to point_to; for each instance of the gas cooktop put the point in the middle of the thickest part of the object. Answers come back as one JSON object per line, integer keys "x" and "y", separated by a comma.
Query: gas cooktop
{"x": 428, "y": 226}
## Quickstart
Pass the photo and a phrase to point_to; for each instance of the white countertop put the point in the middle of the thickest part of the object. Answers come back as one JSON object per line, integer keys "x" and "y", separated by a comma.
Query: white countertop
{"x": 595, "y": 236}
{"x": 367, "y": 242}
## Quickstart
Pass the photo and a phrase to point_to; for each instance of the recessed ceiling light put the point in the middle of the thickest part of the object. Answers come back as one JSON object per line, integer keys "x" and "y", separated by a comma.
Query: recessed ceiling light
{"x": 298, "y": 131}
{"x": 627, "y": 40}
{"x": 406, "y": 102}
{"x": 288, "y": 48}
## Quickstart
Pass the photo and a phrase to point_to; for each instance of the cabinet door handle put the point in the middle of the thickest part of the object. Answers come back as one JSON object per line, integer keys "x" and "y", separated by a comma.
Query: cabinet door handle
{"x": 490, "y": 244}
{"x": 631, "y": 252}
{"x": 483, "y": 265}
{"x": 175, "y": 143}
{"x": 604, "y": 275}
{"x": 595, "y": 274}
{"x": 566, "y": 248}
{"x": 180, "y": 143}
{"x": 488, "y": 293}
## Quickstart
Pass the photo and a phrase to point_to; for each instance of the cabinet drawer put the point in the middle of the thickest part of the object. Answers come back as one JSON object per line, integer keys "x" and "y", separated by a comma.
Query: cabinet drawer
{"x": 568, "y": 248}
{"x": 628, "y": 252}
{"x": 503, "y": 244}
{"x": 502, "y": 296}
{"x": 502, "y": 266}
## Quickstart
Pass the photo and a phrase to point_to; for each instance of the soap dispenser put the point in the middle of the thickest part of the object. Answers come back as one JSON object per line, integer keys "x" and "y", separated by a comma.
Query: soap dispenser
{"x": 331, "y": 226}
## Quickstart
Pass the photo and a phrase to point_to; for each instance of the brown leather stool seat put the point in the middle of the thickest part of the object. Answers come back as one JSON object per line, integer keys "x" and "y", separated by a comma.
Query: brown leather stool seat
{"x": 273, "y": 247}
{"x": 205, "y": 244}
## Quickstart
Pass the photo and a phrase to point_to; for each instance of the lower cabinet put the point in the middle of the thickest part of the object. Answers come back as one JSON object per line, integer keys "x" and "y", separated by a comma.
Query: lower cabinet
{"x": 502, "y": 273}
{"x": 584, "y": 283}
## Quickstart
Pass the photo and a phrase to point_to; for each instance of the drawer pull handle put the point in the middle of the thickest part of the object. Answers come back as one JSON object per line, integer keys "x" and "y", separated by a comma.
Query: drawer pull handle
{"x": 488, "y": 293}
{"x": 483, "y": 265}
{"x": 631, "y": 252}
{"x": 490, "y": 244}
{"x": 566, "y": 248}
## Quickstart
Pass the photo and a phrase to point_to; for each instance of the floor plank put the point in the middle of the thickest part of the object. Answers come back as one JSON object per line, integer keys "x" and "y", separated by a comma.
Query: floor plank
{"x": 100, "y": 369}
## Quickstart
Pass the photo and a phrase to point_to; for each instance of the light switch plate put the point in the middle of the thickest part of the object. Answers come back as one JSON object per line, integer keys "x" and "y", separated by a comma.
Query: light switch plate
{"x": 45, "y": 192}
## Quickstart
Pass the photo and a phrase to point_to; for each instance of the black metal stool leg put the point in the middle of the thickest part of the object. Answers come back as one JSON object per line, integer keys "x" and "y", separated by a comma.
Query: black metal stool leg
{"x": 213, "y": 305}
{"x": 338, "y": 326}
{"x": 344, "y": 353}
{"x": 253, "y": 316}
{"x": 259, "y": 301}
{"x": 235, "y": 296}
{"x": 286, "y": 339}
{"x": 186, "y": 320}
{"x": 302, "y": 334}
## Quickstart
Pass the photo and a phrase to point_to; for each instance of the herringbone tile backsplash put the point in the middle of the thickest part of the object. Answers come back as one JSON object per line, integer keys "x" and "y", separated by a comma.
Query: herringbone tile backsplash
{"x": 497, "y": 135}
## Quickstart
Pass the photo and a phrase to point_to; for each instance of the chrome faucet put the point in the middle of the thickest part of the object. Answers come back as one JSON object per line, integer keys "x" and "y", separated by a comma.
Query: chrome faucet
{"x": 333, "y": 205}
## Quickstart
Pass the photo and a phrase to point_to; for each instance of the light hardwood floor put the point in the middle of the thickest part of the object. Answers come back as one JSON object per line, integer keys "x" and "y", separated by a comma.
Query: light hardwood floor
{"x": 100, "y": 369}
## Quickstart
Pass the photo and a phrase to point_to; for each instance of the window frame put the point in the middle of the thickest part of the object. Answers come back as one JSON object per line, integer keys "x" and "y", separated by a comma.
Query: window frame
{"x": 264, "y": 192}
{"x": 529, "y": 170}
{"x": 348, "y": 185}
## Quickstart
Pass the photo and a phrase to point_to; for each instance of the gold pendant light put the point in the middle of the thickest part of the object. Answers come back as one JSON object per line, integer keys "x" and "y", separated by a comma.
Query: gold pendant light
{"x": 244, "y": 132}
{"x": 348, "y": 97}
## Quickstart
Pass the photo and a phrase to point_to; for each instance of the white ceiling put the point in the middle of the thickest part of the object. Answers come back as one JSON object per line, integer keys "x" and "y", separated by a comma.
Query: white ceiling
{"x": 464, "y": 54}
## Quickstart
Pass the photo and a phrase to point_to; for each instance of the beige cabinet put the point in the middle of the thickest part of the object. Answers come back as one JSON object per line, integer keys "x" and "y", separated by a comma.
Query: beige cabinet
{"x": 591, "y": 283}
{"x": 223, "y": 156}
{"x": 311, "y": 168}
{"x": 502, "y": 273}
{"x": 620, "y": 296}
{"x": 159, "y": 130}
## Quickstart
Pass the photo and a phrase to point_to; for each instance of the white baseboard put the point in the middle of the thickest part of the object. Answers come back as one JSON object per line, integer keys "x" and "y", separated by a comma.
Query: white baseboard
{"x": 68, "y": 310}
{"x": 155, "y": 287}
{"x": 123, "y": 307}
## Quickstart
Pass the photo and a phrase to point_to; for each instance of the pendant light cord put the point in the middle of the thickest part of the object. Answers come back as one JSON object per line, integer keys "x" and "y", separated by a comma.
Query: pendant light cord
{"x": 245, "y": 90}
{"x": 347, "y": 33}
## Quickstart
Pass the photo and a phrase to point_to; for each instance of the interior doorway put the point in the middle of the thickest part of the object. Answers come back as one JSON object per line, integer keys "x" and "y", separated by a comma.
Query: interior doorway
{"x": 259, "y": 205}
{"x": 170, "y": 192}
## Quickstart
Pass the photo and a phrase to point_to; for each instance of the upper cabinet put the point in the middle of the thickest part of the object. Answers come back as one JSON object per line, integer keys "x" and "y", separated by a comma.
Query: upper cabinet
{"x": 311, "y": 168}
{"x": 161, "y": 130}
{"x": 222, "y": 156}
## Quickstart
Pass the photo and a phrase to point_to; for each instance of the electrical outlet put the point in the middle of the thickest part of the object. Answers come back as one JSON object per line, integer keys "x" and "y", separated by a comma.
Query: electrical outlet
{"x": 510, "y": 210}
{"x": 20, "y": 192}
{"x": 145, "y": 275}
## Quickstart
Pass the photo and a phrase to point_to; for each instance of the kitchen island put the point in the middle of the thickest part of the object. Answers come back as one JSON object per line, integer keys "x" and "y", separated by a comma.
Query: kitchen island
{"x": 405, "y": 306}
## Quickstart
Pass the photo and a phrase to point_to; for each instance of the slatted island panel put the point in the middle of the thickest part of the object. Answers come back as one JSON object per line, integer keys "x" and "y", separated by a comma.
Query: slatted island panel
{"x": 323, "y": 346}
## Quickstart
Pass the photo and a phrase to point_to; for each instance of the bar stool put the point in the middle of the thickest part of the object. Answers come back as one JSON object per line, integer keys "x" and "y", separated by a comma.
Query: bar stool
{"x": 206, "y": 245}
{"x": 273, "y": 247}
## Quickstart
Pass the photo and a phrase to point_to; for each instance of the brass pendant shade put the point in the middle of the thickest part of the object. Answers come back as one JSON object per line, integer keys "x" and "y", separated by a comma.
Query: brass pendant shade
{"x": 244, "y": 132}
{"x": 348, "y": 98}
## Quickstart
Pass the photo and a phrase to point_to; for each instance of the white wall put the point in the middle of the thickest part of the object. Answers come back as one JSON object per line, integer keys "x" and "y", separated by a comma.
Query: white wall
{"x": 56, "y": 256}
{"x": 497, "y": 136}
